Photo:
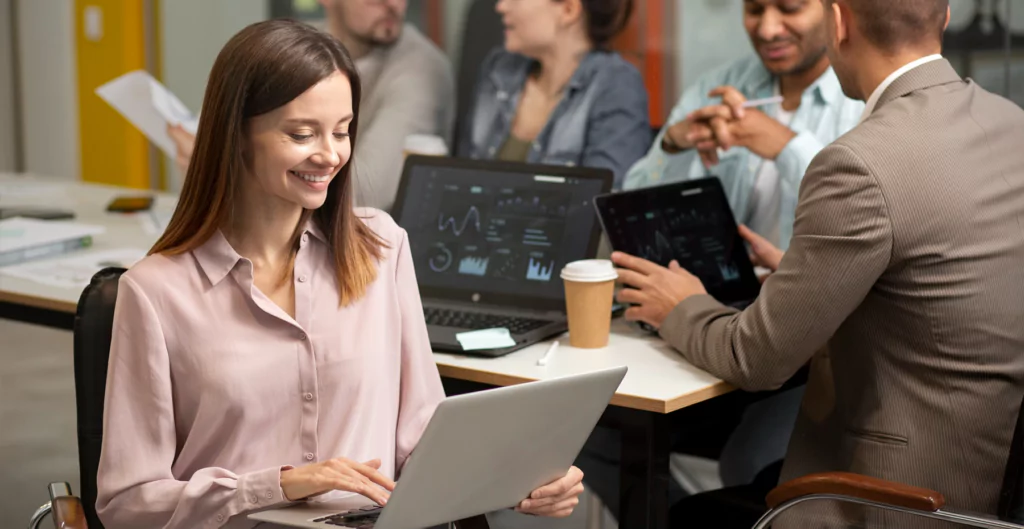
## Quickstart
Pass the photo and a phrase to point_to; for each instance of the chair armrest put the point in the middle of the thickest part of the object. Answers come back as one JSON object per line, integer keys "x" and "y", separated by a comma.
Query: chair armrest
{"x": 476, "y": 522}
{"x": 857, "y": 486}
{"x": 68, "y": 513}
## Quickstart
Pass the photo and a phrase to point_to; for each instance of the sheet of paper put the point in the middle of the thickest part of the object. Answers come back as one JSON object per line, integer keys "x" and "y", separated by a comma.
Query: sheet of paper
{"x": 74, "y": 270}
{"x": 148, "y": 105}
{"x": 485, "y": 339}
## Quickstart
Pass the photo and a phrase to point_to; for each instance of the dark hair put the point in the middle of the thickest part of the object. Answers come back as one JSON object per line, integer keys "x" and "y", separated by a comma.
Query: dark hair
{"x": 262, "y": 68}
{"x": 606, "y": 19}
{"x": 896, "y": 24}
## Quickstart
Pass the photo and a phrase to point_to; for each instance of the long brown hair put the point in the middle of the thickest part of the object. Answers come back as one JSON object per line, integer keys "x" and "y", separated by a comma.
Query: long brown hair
{"x": 263, "y": 67}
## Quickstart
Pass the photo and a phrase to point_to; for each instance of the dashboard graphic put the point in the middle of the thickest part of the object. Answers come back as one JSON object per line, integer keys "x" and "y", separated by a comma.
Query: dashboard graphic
{"x": 497, "y": 232}
{"x": 687, "y": 234}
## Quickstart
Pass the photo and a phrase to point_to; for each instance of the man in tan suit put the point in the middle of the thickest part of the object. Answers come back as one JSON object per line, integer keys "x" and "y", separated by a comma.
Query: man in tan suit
{"x": 906, "y": 270}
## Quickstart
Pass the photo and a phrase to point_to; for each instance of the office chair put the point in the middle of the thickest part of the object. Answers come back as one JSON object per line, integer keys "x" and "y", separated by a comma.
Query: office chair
{"x": 482, "y": 31}
{"x": 94, "y": 321}
{"x": 898, "y": 497}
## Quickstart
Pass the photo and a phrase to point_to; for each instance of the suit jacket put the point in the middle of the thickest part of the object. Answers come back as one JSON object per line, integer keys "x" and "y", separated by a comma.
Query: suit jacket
{"x": 906, "y": 269}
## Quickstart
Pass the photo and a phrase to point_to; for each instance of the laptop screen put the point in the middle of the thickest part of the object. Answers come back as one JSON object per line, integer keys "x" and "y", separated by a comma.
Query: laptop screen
{"x": 497, "y": 233}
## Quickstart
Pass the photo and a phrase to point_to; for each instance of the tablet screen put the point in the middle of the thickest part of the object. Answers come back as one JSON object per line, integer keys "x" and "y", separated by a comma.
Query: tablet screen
{"x": 690, "y": 222}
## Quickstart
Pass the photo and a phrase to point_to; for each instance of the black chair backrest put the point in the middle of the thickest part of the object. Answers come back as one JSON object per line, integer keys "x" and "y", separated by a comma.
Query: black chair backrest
{"x": 94, "y": 321}
{"x": 1011, "y": 501}
{"x": 482, "y": 31}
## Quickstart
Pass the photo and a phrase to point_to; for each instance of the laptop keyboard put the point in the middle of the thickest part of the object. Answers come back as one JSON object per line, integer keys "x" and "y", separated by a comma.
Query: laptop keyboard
{"x": 356, "y": 518}
{"x": 476, "y": 321}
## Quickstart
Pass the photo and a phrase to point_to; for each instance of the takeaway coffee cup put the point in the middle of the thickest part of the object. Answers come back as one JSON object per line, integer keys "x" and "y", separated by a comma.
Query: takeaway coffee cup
{"x": 589, "y": 292}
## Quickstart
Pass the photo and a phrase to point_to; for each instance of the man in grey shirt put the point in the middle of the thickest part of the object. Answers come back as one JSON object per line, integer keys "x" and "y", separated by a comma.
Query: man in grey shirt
{"x": 408, "y": 88}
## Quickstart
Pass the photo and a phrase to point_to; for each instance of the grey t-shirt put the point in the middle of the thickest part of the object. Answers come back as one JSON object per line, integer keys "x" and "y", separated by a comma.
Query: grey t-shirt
{"x": 407, "y": 88}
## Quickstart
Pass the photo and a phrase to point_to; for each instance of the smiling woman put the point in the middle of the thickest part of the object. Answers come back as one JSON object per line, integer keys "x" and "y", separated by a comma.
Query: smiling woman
{"x": 283, "y": 95}
{"x": 272, "y": 346}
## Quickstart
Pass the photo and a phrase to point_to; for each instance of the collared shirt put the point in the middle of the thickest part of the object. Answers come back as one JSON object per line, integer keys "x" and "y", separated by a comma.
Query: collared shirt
{"x": 877, "y": 94}
{"x": 601, "y": 121}
{"x": 824, "y": 115}
{"x": 213, "y": 389}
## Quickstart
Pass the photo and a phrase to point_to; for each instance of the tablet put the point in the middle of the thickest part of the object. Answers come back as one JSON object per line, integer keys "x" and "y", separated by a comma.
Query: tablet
{"x": 690, "y": 222}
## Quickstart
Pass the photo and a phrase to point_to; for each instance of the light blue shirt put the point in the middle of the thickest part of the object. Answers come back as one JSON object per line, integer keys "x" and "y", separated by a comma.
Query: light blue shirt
{"x": 824, "y": 115}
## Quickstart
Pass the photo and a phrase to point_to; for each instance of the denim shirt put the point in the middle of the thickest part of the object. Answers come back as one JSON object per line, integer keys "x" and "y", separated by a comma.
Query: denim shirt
{"x": 601, "y": 121}
{"x": 824, "y": 115}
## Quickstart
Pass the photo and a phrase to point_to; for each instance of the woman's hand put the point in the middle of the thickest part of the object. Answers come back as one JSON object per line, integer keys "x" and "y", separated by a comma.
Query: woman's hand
{"x": 556, "y": 499}
{"x": 337, "y": 474}
{"x": 184, "y": 142}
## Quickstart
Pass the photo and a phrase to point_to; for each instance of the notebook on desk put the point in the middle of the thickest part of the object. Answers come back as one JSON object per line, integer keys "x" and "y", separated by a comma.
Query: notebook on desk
{"x": 488, "y": 241}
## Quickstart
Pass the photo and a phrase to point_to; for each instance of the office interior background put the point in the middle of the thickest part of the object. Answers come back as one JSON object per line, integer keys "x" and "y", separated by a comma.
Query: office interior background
{"x": 53, "y": 125}
{"x": 49, "y": 65}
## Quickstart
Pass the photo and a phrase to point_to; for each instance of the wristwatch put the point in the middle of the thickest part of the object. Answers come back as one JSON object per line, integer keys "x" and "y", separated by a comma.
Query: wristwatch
{"x": 668, "y": 145}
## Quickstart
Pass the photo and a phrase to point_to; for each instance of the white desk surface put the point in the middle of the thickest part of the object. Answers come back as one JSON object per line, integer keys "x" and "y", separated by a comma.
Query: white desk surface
{"x": 89, "y": 202}
{"x": 659, "y": 379}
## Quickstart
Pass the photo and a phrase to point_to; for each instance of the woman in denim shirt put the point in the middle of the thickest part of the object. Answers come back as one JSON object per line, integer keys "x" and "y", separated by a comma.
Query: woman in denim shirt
{"x": 555, "y": 94}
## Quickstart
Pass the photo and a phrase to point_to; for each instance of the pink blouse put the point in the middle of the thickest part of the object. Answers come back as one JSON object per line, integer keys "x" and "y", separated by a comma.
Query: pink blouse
{"x": 212, "y": 388}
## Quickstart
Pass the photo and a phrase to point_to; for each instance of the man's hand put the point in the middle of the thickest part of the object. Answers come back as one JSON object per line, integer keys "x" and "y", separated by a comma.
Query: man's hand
{"x": 730, "y": 125}
{"x": 760, "y": 133}
{"x": 184, "y": 142}
{"x": 762, "y": 252}
{"x": 556, "y": 499}
{"x": 654, "y": 289}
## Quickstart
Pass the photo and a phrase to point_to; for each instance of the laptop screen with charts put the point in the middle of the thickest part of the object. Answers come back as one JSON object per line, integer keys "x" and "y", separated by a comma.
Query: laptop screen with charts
{"x": 492, "y": 236}
{"x": 690, "y": 222}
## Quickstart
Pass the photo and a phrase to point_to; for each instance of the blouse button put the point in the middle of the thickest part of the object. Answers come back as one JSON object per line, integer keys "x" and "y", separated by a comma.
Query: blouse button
{"x": 309, "y": 456}
{"x": 308, "y": 396}
{"x": 302, "y": 336}
{"x": 270, "y": 495}
{"x": 220, "y": 517}
{"x": 302, "y": 279}
{"x": 254, "y": 499}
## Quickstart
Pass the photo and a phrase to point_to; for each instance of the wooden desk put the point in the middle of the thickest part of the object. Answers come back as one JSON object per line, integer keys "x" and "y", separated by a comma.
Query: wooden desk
{"x": 658, "y": 382}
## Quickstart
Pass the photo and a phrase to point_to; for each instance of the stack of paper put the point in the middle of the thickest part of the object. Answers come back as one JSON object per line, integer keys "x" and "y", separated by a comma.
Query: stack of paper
{"x": 24, "y": 239}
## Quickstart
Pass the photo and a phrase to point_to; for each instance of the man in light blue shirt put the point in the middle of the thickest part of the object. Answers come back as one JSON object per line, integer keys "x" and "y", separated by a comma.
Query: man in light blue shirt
{"x": 760, "y": 154}
{"x": 760, "y": 157}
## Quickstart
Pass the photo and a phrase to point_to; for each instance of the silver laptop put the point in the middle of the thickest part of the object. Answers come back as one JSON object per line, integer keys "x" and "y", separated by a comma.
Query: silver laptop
{"x": 480, "y": 452}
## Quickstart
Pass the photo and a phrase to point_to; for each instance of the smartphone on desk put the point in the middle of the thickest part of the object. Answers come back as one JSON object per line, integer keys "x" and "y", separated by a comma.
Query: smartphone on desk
{"x": 130, "y": 204}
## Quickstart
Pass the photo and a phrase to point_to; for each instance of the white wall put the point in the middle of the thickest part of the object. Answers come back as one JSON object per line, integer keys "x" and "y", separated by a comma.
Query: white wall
{"x": 193, "y": 33}
{"x": 48, "y": 87}
{"x": 709, "y": 33}
{"x": 7, "y": 132}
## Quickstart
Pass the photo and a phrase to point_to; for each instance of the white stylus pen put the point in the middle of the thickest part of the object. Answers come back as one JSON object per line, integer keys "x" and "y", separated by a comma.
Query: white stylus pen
{"x": 763, "y": 102}
{"x": 547, "y": 356}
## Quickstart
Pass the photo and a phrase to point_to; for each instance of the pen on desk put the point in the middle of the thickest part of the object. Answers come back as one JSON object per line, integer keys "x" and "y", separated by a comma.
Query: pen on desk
{"x": 763, "y": 102}
{"x": 547, "y": 356}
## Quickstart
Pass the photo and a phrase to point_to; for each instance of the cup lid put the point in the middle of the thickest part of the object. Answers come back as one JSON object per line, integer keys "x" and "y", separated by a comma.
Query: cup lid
{"x": 425, "y": 144}
{"x": 590, "y": 271}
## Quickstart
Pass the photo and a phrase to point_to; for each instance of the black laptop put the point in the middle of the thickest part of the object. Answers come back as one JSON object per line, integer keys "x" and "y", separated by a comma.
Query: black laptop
{"x": 489, "y": 240}
{"x": 690, "y": 222}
